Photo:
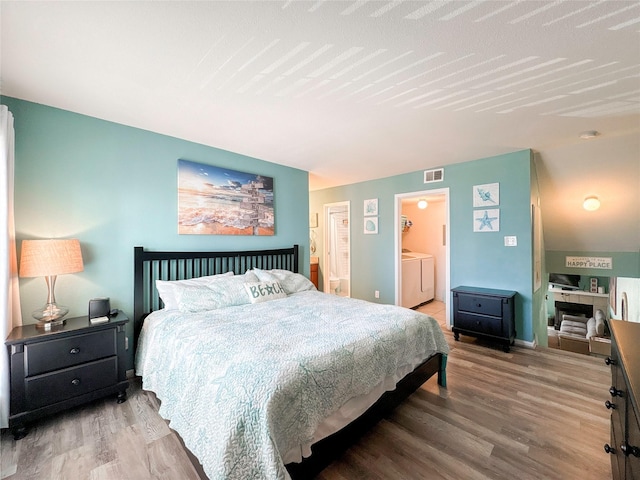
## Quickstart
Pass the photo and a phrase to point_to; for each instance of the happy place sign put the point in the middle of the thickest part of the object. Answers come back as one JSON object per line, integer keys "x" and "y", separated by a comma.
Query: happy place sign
{"x": 604, "y": 263}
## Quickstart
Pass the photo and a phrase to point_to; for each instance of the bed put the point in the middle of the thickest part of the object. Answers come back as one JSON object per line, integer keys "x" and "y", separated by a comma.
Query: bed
{"x": 261, "y": 375}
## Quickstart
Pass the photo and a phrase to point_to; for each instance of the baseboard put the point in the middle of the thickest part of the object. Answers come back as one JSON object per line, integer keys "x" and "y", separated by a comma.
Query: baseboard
{"x": 523, "y": 343}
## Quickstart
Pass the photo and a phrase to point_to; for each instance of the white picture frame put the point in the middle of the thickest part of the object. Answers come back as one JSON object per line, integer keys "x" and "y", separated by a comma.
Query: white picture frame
{"x": 370, "y": 225}
{"x": 486, "y": 220}
{"x": 486, "y": 195}
{"x": 371, "y": 207}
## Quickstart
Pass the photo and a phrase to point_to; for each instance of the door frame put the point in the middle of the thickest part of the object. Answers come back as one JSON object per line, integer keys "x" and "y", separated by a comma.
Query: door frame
{"x": 398, "y": 243}
{"x": 325, "y": 254}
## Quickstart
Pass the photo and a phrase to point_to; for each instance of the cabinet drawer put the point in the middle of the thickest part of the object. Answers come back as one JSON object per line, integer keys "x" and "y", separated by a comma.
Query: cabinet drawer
{"x": 617, "y": 426}
{"x": 50, "y": 388}
{"x": 617, "y": 457}
{"x": 480, "y": 304}
{"x": 52, "y": 355}
{"x": 478, "y": 323}
{"x": 633, "y": 439}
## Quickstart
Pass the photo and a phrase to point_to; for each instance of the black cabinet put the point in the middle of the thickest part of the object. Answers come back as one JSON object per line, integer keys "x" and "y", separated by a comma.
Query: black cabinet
{"x": 486, "y": 313}
{"x": 624, "y": 446}
{"x": 71, "y": 364}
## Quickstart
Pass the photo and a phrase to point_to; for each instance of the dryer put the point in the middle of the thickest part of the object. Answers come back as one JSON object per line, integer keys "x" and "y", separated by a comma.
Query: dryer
{"x": 417, "y": 278}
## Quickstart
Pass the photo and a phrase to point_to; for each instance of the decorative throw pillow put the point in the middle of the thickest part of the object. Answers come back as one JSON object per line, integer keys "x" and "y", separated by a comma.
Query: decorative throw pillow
{"x": 291, "y": 282}
{"x": 166, "y": 288}
{"x": 264, "y": 291}
{"x": 591, "y": 328}
{"x": 600, "y": 322}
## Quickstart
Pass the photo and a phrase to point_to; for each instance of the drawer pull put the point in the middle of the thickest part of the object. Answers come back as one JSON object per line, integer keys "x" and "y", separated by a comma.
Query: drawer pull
{"x": 630, "y": 450}
{"x": 609, "y": 405}
{"x": 609, "y": 449}
{"x": 610, "y": 361}
{"x": 75, "y": 381}
{"x": 479, "y": 305}
{"x": 615, "y": 392}
{"x": 74, "y": 351}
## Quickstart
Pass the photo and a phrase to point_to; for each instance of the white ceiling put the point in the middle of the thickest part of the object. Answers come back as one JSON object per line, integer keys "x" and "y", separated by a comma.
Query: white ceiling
{"x": 348, "y": 90}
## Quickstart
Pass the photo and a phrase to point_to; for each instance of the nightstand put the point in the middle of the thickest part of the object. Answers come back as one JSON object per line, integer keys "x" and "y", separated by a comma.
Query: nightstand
{"x": 75, "y": 363}
{"x": 486, "y": 313}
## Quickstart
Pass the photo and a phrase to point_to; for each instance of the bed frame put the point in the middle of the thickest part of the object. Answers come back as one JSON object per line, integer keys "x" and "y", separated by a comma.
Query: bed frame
{"x": 150, "y": 266}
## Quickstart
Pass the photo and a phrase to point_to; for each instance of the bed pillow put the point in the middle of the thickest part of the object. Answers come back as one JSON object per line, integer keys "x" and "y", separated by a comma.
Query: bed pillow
{"x": 230, "y": 291}
{"x": 264, "y": 291}
{"x": 291, "y": 282}
{"x": 196, "y": 298}
{"x": 219, "y": 293}
{"x": 166, "y": 288}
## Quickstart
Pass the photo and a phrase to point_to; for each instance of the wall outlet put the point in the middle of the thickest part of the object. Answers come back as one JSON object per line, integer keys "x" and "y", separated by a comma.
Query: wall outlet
{"x": 376, "y": 294}
{"x": 511, "y": 241}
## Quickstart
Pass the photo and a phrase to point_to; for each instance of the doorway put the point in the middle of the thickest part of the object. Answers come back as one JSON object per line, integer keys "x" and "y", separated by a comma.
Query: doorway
{"x": 423, "y": 232}
{"x": 337, "y": 252}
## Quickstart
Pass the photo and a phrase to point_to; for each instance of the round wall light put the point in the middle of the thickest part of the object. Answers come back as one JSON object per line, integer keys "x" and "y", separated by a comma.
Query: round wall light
{"x": 422, "y": 204}
{"x": 591, "y": 203}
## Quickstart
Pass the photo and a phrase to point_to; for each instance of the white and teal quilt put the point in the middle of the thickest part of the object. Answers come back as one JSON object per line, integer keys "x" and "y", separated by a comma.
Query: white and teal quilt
{"x": 244, "y": 384}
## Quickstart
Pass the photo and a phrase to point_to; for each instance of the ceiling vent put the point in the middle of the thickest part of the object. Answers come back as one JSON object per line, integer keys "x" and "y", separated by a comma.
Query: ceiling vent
{"x": 435, "y": 175}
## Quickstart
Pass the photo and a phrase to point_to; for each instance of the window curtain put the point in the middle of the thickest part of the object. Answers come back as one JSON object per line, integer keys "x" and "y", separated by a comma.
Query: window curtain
{"x": 10, "y": 315}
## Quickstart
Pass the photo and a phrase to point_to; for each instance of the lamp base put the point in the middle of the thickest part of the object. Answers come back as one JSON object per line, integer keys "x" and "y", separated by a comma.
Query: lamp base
{"x": 50, "y": 315}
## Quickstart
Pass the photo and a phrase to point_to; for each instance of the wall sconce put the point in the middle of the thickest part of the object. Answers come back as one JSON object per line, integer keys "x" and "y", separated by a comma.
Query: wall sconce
{"x": 591, "y": 203}
{"x": 422, "y": 204}
{"x": 49, "y": 258}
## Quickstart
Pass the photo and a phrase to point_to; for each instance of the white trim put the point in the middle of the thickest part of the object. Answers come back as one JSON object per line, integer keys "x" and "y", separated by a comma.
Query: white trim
{"x": 325, "y": 258}
{"x": 525, "y": 344}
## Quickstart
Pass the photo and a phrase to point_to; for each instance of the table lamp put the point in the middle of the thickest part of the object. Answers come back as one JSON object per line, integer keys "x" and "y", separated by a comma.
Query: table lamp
{"x": 49, "y": 258}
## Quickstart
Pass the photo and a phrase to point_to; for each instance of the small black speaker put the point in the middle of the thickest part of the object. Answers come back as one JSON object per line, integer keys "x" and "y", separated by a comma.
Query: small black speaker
{"x": 99, "y": 307}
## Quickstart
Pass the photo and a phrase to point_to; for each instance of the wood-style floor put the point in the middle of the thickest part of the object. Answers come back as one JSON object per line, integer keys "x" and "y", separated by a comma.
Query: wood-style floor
{"x": 527, "y": 414}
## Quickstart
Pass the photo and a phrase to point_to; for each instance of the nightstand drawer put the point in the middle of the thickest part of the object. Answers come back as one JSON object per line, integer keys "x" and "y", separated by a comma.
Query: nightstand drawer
{"x": 52, "y": 355}
{"x": 54, "y": 387}
{"x": 480, "y": 304}
{"x": 479, "y": 323}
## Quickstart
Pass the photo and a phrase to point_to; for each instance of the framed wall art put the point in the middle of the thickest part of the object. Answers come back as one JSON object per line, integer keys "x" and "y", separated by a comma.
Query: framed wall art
{"x": 487, "y": 195}
{"x": 371, "y": 225}
{"x": 486, "y": 220}
{"x": 371, "y": 207}
{"x": 219, "y": 201}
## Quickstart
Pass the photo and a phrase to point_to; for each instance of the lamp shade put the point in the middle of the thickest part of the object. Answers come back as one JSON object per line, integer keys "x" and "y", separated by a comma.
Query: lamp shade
{"x": 43, "y": 258}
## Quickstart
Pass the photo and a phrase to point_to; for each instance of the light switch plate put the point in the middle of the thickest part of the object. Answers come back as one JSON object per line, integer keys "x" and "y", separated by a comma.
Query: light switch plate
{"x": 510, "y": 241}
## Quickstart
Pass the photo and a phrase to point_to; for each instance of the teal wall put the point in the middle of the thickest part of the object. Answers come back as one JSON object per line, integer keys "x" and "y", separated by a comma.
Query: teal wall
{"x": 114, "y": 187}
{"x": 477, "y": 259}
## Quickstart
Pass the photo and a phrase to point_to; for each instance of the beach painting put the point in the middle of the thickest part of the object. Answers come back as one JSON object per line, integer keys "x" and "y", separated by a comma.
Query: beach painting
{"x": 220, "y": 201}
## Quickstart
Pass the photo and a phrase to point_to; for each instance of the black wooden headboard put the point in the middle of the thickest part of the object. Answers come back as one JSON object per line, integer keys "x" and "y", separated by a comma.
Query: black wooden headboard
{"x": 151, "y": 266}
